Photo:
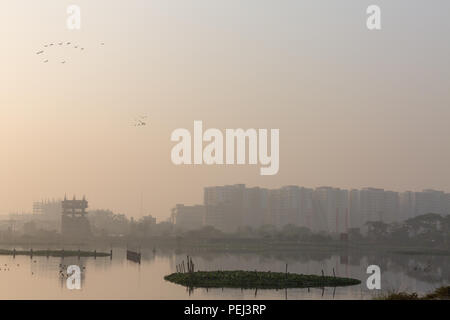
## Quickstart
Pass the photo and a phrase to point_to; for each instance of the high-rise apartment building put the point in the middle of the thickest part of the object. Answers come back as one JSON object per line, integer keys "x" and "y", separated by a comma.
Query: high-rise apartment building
{"x": 326, "y": 209}
{"x": 331, "y": 210}
{"x": 255, "y": 207}
{"x": 224, "y": 206}
{"x": 189, "y": 217}
{"x": 430, "y": 201}
{"x": 407, "y": 203}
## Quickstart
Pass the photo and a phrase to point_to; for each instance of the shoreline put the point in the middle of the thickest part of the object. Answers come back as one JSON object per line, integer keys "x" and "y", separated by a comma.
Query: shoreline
{"x": 229, "y": 245}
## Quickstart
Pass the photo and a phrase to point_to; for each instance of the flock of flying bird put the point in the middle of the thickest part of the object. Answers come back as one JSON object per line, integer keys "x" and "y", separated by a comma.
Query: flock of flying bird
{"x": 139, "y": 122}
{"x": 62, "y": 44}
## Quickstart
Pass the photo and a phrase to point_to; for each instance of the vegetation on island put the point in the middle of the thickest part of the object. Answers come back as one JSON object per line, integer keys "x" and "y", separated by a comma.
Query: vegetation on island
{"x": 442, "y": 293}
{"x": 256, "y": 280}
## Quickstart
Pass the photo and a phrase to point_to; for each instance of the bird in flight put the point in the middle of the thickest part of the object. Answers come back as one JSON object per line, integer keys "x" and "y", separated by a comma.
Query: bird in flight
{"x": 39, "y": 52}
{"x": 141, "y": 121}
{"x": 45, "y": 61}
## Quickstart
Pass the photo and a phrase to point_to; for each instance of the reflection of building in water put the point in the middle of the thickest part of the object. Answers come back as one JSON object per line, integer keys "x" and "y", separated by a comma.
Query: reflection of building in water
{"x": 74, "y": 222}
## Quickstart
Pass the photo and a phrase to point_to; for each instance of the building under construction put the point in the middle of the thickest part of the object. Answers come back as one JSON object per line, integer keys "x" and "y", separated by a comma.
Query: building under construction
{"x": 74, "y": 221}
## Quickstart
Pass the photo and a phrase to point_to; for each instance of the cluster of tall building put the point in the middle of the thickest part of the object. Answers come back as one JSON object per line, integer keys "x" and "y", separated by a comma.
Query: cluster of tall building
{"x": 328, "y": 209}
{"x": 50, "y": 209}
{"x": 68, "y": 216}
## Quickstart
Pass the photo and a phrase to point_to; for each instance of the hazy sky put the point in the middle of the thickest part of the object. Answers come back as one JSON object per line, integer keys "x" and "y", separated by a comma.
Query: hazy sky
{"x": 355, "y": 108}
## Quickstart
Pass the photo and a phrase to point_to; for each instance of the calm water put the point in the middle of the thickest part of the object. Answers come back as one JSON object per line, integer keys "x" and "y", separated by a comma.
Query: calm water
{"x": 103, "y": 278}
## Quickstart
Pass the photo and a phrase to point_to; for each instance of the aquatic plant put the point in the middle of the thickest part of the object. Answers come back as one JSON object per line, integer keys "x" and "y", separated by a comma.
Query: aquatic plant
{"x": 442, "y": 293}
{"x": 256, "y": 279}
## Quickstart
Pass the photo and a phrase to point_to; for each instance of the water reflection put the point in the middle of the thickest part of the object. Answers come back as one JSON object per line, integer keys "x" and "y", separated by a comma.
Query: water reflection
{"x": 118, "y": 278}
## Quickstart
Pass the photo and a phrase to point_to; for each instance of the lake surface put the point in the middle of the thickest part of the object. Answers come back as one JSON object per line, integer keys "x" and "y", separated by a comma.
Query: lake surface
{"x": 118, "y": 278}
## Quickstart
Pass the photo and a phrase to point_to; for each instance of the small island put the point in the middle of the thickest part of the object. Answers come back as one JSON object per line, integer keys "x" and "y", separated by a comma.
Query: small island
{"x": 256, "y": 280}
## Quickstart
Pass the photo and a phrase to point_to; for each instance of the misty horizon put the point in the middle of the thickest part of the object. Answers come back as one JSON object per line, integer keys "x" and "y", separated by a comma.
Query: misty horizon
{"x": 163, "y": 218}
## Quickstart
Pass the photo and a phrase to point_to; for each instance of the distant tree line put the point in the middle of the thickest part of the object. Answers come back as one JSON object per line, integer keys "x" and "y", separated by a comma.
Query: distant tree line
{"x": 425, "y": 230}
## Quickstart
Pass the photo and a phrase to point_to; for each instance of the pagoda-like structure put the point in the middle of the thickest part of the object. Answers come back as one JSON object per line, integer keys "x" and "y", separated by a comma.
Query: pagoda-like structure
{"x": 74, "y": 222}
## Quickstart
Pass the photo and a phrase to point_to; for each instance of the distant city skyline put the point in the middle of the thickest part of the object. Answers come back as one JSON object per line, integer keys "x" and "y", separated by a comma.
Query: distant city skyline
{"x": 229, "y": 208}
{"x": 201, "y": 196}
{"x": 327, "y": 209}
